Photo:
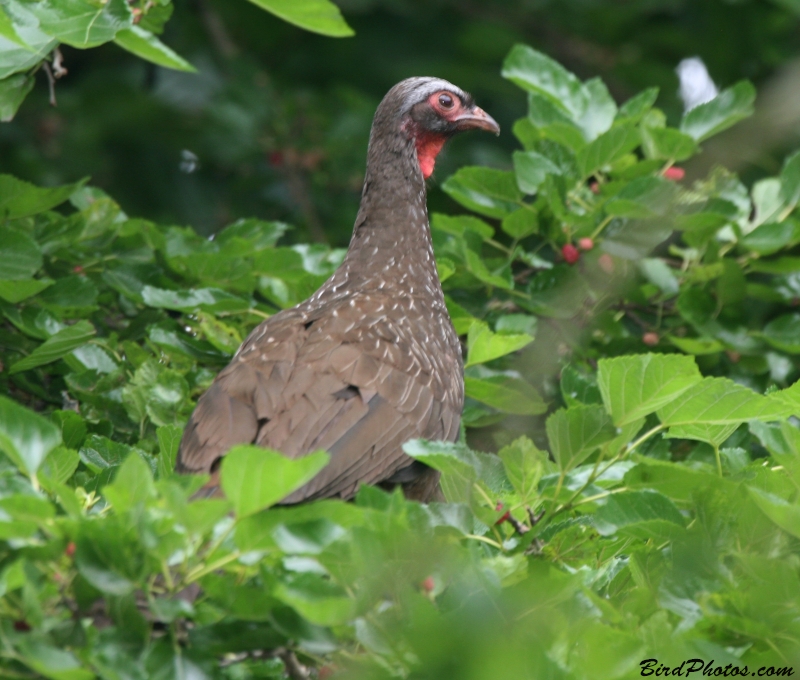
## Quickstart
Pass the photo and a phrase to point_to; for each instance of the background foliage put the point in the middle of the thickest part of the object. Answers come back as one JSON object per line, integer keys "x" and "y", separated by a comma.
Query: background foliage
{"x": 627, "y": 487}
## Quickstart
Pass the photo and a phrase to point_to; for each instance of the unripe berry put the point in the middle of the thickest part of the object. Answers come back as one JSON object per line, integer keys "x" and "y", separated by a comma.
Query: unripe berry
{"x": 585, "y": 243}
{"x": 428, "y": 584}
{"x": 570, "y": 253}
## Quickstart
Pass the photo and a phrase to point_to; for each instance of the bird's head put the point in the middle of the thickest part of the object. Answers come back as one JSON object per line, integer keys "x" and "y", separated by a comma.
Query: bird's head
{"x": 430, "y": 111}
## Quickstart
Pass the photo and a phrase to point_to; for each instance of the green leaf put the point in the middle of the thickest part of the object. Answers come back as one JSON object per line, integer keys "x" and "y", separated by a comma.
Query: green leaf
{"x": 207, "y": 299}
{"x": 771, "y": 237}
{"x": 20, "y": 255}
{"x": 536, "y": 72}
{"x": 319, "y": 16}
{"x": 521, "y": 223}
{"x": 58, "y": 467}
{"x": 169, "y": 439}
{"x": 668, "y": 144}
{"x": 607, "y": 148}
{"x": 478, "y": 268}
{"x": 82, "y": 23}
{"x": 575, "y": 433}
{"x": 132, "y": 484}
{"x": 316, "y": 599}
{"x": 7, "y": 29}
{"x": 719, "y": 401}
{"x": 635, "y": 507}
{"x": 635, "y": 386}
{"x": 784, "y": 333}
{"x": 52, "y": 663}
{"x": 790, "y": 179}
{"x": 484, "y": 345}
{"x": 13, "y": 90}
{"x": 638, "y": 105}
{"x": 35, "y": 43}
{"x": 254, "y": 478}
{"x": 25, "y": 436}
{"x": 704, "y": 432}
{"x": 487, "y": 191}
{"x": 510, "y": 395}
{"x": 17, "y": 291}
{"x": 785, "y": 515}
{"x": 56, "y": 346}
{"x": 145, "y": 45}
{"x": 643, "y": 197}
{"x": 21, "y": 199}
{"x": 531, "y": 168}
{"x": 660, "y": 274}
{"x": 524, "y": 465}
{"x": 727, "y": 108}
{"x": 457, "y": 225}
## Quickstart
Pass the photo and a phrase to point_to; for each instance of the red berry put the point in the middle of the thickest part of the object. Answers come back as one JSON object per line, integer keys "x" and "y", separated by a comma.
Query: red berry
{"x": 735, "y": 357}
{"x": 69, "y": 551}
{"x": 650, "y": 338}
{"x": 276, "y": 159}
{"x": 428, "y": 584}
{"x": 503, "y": 518}
{"x": 570, "y": 253}
{"x": 77, "y": 269}
{"x": 585, "y": 243}
{"x": 674, "y": 173}
{"x": 325, "y": 672}
{"x": 594, "y": 187}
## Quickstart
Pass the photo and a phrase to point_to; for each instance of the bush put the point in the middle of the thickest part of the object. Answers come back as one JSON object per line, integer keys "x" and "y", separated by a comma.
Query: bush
{"x": 661, "y": 523}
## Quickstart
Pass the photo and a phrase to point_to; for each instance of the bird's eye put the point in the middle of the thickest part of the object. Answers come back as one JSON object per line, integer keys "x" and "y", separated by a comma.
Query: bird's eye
{"x": 446, "y": 101}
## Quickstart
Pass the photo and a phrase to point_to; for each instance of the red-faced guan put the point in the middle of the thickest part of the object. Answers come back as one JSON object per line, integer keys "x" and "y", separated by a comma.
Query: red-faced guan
{"x": 370, "y": 360}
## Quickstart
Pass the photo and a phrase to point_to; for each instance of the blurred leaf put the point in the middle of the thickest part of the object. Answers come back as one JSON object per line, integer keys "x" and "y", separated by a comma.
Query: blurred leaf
{"x": 21, "y": 199}
{"x": 643, "y": 197}
{"x": 254, "y": 478}
{"x": 207, "y": 299}
{"x": 668, "y": 144}
{"x": 510, "y": 395}
{"x": 13, "y": 90}
{"x": 144, "y": 44}
{"x": 56, "y": 346}
{"x": 53, "y": 663}
{"x": 785, "y": 515}
{"x": 727, "y": 108}
{"x": 17, "y": 291}
{"x": 531, "y": 168}
{"x": 132, "y": 484}
{"x": 319, "y": 16}
{"x": 784, "y": 333}
{"x": 169, "y": 439}
{"x": 633, "y": 507}
{"x": 524, "y": 465}
{"x": 20, "y": 256}
{"x": 487, "y": 191}
{"x": 25, "y": 436}
{"x": 607, "y": 148}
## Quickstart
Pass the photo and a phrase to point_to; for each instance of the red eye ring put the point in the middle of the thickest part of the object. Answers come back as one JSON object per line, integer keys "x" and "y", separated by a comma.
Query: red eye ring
{"x": 446, "y": 101}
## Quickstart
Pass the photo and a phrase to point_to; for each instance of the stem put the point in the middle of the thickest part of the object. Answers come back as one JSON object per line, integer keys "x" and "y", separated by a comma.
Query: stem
{"x": 499, "y": 246}
{"x": 719, "y": 460}
{"x": 199, "y": 572}
{"x": 601, "y": 226}
{"x": 494, "y": 544}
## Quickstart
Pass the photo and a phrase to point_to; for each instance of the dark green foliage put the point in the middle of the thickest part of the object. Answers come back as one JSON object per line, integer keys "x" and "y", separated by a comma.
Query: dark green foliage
{"x": 652, "y": 515}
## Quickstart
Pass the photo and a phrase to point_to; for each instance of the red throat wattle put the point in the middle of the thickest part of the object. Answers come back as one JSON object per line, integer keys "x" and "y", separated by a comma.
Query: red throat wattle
{"x": 428, "y": 147}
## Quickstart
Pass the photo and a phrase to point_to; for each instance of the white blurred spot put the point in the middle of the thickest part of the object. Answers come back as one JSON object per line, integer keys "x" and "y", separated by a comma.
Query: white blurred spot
{"x": 696, "y": 85}
{"x": 189, "y": 162}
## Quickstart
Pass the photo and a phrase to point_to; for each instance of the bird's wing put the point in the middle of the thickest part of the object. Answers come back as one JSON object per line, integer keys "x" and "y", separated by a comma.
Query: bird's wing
{"x": 332, "y": 381}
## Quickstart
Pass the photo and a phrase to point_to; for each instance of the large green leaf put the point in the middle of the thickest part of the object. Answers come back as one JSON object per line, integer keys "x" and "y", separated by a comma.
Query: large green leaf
{"x": 784, "y": 333}
{"x": 82, "y": 23}
{"x": 668, "y": 144}
{"x": 719, "y": 401}
{"x": 531, "y": 168}
{"x": 145, "y": 45}
{"x": 21, "y": 199}
{"x": 25, "y": 436}
{"x": 575, "y": 433}
{"x": 524, "y": 465}
{"x": 635, "y": 386}
{"x": 319, "y": 16}
{"x": 635, "y": 507}
{"x": 56, "y": 346}
{"x": 208, "y": 299}
{"x": 726, "y": 109}
{"x": 785, "y": 515}
{"x": 254, "y": 478}
{"x": 536, "y": 72}
{"x": 487, "y": 191}
{"x": 31, "y": 43}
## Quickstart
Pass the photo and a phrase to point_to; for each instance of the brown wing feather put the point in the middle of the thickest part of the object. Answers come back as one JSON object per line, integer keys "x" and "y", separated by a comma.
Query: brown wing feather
{"x": 328, "y": 382}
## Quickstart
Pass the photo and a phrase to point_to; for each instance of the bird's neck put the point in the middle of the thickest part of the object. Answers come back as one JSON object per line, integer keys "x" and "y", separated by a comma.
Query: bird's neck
{"x": 391, "y": 243}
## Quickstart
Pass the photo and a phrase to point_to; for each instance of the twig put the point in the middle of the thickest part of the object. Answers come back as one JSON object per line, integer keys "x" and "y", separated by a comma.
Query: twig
{"x": 51, "y": 83}
{"x": 59, "y": 71}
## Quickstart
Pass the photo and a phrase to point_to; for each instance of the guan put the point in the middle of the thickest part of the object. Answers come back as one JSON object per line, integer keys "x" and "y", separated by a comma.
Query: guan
{"x": 370, "y": 360}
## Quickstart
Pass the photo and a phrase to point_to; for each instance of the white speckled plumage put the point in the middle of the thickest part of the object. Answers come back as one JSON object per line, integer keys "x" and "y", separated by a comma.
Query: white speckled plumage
{"x": 366, "y": 363}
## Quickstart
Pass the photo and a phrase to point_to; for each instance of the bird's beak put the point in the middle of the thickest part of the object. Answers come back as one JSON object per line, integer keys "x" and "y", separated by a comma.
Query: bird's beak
{"x": 476, "y": 119}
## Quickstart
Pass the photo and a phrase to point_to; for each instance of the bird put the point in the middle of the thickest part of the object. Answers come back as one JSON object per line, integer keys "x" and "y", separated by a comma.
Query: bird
{"x": 371, "y": 359}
